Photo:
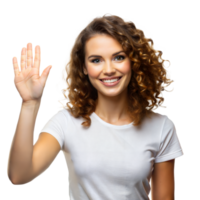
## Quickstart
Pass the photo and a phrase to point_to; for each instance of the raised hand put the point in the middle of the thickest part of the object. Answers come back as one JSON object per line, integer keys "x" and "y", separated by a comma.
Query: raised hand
{"x": 27, "y": 81}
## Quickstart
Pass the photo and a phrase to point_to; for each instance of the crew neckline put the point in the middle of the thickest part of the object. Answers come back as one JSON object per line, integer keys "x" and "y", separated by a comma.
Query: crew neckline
{"x": 111, "y": 125}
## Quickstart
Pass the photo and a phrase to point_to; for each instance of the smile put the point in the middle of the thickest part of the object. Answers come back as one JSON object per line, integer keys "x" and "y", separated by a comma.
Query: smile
{"x": 111, "y": 82}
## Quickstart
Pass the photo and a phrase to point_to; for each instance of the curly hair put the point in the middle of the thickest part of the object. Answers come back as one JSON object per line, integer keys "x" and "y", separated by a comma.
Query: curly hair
{"x": 146, "y": 79}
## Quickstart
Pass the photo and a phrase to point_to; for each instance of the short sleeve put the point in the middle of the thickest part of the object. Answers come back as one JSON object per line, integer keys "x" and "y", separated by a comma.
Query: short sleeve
{"x": 170, "y": 146}
{"x": 54, "y": 127}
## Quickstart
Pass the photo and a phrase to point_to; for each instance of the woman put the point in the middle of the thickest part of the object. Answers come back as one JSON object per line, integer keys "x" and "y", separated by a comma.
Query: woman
{"x": 123, "y": 150}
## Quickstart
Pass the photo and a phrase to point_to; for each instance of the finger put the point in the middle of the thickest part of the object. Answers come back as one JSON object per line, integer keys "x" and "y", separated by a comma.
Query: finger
{"x": 23, "y": 59}
{"x": 37, "y": 57}
{"x": 29, "y": 55}
{"x": 15, "y": 66}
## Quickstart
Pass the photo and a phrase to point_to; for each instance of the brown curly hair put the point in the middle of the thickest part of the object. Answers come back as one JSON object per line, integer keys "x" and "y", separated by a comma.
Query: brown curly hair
{"x": 147, "y": 77}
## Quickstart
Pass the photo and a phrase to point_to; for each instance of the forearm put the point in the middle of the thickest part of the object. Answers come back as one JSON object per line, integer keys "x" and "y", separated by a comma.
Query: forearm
{"x": 21, "y": 151}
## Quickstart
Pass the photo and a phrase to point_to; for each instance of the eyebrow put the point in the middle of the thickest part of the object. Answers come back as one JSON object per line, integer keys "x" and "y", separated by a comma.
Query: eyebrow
{"x": 100, "y": 56}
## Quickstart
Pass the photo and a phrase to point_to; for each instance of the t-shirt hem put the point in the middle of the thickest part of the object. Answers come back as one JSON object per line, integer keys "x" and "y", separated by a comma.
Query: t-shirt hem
{"x": 169, "y": 156}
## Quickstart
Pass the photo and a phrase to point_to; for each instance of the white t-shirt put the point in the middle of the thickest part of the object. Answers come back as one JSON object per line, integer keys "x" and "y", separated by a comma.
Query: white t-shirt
{"x": 113, "y": 162}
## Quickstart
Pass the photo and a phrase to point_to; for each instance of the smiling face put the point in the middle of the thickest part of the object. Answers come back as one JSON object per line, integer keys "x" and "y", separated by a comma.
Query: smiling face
{"x": 101, "y": 63}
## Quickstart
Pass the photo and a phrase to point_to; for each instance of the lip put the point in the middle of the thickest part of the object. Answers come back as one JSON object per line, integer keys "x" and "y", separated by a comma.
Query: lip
{"x": 113, "y": 77}
{"x": 111, "y": 84}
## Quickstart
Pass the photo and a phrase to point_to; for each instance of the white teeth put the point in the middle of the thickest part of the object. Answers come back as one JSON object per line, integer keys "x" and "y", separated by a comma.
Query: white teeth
{"x": 110, "y": 80}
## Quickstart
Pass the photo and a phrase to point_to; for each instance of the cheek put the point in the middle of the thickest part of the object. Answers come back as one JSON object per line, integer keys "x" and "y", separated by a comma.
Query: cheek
{"x": 126, "y": 67}
{"x": 93, "y": 71}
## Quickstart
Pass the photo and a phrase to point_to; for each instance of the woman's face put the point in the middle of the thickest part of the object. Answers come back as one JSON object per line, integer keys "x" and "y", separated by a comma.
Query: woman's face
{"x": 101, "y": 63}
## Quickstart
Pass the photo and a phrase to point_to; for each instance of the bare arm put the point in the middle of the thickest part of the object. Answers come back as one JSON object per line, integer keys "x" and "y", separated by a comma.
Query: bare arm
{"x": 25, "y": 160}
{"x": 20, "y": 158}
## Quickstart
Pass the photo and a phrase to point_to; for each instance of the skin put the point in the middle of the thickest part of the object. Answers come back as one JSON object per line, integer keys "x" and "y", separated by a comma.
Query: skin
{"x": 112, "y": 101}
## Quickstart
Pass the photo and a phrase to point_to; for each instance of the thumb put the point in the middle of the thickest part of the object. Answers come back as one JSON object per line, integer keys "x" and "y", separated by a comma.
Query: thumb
{"x": 47, "y": 72}
{"x": 50, "y": 68}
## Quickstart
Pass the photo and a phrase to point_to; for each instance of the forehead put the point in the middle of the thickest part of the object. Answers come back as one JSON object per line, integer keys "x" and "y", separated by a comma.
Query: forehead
{"x": 102, "y": 45}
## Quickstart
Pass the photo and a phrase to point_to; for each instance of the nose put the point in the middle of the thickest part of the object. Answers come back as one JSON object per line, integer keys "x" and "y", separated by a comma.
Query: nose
{"x": 108, "y": 68}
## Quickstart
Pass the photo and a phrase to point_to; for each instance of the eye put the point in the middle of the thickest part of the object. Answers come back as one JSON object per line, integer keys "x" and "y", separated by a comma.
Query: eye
{"x": 120, "y": 56}
{"x": 94, "y": 60}
{"x": 115, "y": 57}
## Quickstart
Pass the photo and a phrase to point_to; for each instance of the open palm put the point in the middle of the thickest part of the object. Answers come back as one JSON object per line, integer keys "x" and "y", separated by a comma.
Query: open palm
{"x": 27, "y": 81}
